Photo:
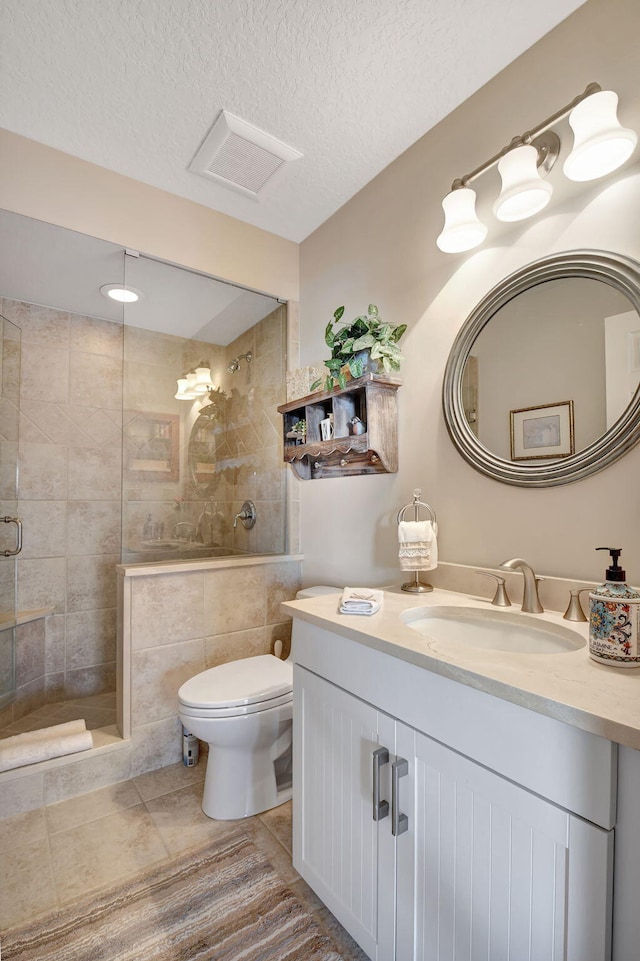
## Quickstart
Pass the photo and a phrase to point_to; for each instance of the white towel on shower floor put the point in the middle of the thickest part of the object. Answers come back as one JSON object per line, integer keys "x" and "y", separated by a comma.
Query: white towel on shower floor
{"x": 418, "y": 545}
{"x": 33, "y": 746}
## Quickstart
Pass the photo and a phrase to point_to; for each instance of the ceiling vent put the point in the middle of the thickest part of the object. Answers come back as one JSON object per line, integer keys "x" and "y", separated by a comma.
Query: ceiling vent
{"x": 240, "y": 156}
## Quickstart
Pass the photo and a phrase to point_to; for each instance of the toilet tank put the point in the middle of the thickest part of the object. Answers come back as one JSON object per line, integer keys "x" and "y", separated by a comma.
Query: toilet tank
{"x": 316, "y": 591}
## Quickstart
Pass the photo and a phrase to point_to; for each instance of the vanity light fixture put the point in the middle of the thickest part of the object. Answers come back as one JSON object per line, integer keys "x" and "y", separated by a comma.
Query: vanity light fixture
{"x": 124, "y": 295}
{"x": 195, "y": 383}
{"x": 601, "y": 145}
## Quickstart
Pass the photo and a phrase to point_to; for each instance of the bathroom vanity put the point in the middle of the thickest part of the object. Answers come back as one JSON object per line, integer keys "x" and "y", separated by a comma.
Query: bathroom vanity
{"x": 461, "y": 802}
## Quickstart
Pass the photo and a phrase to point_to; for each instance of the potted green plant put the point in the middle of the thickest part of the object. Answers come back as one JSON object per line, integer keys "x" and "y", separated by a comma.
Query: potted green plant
{"x": 366, "y": 343}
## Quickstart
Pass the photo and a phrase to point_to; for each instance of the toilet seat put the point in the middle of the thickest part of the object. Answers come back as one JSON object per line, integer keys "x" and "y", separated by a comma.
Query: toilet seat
{"x": 247, "y": 686}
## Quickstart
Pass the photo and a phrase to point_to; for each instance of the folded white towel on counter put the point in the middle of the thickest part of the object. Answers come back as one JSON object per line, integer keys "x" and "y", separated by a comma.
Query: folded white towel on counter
{"x": 361, "y": 600}
{"x": 34, "y": 746}
{"x": 418, "y": 545}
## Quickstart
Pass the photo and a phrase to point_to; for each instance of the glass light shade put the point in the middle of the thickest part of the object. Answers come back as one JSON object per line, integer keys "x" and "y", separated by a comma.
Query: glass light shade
{"x": 601, "y": 144}
{"x": 462, "y": 229}
{"x": 183, "y": 390}
{"x": 523, "y": 193}
{"x": 124, "y": 295}
{"x": 203, "y": 382}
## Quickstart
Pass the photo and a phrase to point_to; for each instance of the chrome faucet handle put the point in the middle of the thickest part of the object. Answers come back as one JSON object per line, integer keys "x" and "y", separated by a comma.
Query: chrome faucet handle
{"x": 500, "y": 598}
{"x": 574, "y": 611}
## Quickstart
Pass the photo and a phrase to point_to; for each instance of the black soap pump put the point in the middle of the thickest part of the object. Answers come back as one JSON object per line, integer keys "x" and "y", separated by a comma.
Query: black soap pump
{"x": 613, "y": 617}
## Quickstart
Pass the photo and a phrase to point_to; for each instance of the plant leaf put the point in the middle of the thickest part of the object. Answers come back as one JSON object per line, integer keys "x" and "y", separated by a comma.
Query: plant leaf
{"x": 356, "y": 367}
{"x": 315, "y": 385}
{"x": 398, "y": 332}
{"x": 373, "y": 310}
{"x": 329, "y": 335}
{"x": 337, "y": 314}
{"x": 362, "y": 343}
{"x": 342, "y": 379}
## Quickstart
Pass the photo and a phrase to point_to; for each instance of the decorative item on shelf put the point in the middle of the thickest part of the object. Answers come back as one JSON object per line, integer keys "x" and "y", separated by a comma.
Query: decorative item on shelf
{"x": 326, "y": 427}
{"x": 367, "y": 343}
{"x": 601, "y": 145}
{"x": 298, "y": 432}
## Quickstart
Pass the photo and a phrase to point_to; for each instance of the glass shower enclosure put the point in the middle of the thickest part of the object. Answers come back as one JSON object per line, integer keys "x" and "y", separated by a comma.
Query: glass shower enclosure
{"x": 10, "y": 528}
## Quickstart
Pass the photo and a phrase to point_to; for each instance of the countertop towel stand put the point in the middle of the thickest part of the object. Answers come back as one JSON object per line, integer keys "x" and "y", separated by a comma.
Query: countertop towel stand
{"x": 417, "y": 586}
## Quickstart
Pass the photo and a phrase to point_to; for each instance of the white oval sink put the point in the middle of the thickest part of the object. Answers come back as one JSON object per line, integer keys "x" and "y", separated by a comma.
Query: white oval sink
{"x": 492, "y": 630}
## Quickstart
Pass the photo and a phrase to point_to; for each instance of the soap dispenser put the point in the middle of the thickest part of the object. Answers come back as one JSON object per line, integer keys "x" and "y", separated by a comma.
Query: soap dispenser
{"x": 613, "y": 618}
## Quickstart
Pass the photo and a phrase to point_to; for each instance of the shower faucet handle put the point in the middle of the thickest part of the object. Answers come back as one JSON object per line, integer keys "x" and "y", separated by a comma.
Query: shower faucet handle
{"x": 247, "y": 515}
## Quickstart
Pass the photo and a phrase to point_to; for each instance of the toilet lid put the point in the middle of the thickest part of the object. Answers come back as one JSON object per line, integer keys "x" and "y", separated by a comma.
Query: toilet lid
{"x": 246, "y": 681}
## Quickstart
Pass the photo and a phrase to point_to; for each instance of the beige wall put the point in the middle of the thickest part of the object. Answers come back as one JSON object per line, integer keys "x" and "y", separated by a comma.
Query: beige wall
{"x": 380, "y": 248}
{"x": 40, "y": 182}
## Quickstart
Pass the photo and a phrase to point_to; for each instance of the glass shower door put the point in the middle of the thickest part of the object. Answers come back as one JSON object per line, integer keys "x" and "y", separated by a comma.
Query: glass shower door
{"x": 10, "y": 527}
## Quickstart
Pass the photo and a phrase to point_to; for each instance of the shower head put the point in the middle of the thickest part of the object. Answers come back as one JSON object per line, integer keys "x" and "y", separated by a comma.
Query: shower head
{"x": 234, "y": 364}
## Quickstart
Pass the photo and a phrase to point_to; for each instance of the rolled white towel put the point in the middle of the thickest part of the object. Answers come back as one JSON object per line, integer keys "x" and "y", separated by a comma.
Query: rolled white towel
{"x": 56, "y": 730}
{"x": 22, "y": 751}
{"x": 361, "y": 600}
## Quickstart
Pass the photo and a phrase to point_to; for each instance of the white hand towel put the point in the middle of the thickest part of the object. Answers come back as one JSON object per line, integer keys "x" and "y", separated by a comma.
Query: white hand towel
{"x": 360, "y": 600}
{"x": 418, "y": 545}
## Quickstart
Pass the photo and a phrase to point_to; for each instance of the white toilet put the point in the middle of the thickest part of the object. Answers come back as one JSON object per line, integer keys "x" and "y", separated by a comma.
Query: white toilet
{"x": 243, "y": 710}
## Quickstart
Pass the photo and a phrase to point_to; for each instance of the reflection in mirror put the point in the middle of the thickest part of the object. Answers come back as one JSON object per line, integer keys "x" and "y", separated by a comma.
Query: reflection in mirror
{"x": 548, "y": 345}
{"x": 541, "y": 385}
{"x": 206, "y": 435}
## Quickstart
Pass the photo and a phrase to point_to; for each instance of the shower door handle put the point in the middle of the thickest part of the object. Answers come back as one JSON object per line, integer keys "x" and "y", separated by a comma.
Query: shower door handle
{"x": 18, "y": 523}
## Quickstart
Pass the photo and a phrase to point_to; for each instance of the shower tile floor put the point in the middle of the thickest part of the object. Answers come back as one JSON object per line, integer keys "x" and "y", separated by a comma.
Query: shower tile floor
{"x": 99, "y": 710}
{"x": 57, "y": 854}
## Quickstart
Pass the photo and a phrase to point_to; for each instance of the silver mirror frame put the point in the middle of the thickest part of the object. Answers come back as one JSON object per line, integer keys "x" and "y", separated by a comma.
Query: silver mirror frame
{"x": 619, "y": 272}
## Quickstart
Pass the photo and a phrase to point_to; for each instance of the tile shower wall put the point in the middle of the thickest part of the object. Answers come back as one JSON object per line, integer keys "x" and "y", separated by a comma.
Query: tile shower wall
{"x": 248, "y": 445}
{"x": 69, "y": 501}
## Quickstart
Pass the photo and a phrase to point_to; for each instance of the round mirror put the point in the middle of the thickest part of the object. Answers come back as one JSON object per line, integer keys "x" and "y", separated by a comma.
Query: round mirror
{"x": 541, "y": 385}
{"x": 203, "y": 443}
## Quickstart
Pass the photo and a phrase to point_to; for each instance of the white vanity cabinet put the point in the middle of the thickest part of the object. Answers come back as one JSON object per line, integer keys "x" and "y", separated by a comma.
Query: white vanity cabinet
{"x": 483, "y": 868}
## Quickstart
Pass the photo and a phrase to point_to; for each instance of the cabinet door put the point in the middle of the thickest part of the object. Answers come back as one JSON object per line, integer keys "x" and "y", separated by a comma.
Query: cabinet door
{"x": 338, "y": 848}
{"x": 493, "y": 872}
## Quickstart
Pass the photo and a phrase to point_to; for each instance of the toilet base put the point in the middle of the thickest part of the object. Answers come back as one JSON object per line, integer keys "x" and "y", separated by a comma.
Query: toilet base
{"x": 239, "y": 785}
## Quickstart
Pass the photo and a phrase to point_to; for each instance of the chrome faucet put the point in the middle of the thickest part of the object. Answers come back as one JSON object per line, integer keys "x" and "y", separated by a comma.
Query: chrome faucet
{"x": 530, "y": 600}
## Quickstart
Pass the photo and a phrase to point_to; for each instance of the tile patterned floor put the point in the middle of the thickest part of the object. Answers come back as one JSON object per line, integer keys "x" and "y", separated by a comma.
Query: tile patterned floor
{"x": 57, "y": 854}
{"x": 99, "y": 710}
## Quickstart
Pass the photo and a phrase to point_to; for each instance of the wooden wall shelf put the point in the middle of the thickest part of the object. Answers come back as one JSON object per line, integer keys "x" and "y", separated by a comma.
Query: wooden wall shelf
{"x": 372, "y": 398}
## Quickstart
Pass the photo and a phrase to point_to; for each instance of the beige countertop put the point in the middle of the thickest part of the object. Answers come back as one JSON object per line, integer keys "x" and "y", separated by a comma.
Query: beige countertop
{"x": 568, "y": 686}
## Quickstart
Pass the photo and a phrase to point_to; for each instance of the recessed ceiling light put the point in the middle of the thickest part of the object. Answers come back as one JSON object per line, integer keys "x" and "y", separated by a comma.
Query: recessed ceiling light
{"x": 124, "y": 295}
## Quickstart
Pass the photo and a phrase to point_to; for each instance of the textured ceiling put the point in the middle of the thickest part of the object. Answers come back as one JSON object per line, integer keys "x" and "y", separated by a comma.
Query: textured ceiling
{"x": 135, "y": 85}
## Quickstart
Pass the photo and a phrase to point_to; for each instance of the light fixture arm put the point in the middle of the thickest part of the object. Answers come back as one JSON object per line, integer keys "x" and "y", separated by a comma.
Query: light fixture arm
{"x": 529, "y": 137}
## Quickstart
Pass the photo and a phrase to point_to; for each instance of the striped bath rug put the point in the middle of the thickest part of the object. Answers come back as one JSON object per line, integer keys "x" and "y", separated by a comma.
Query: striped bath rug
{"x": 221, "y": 903}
